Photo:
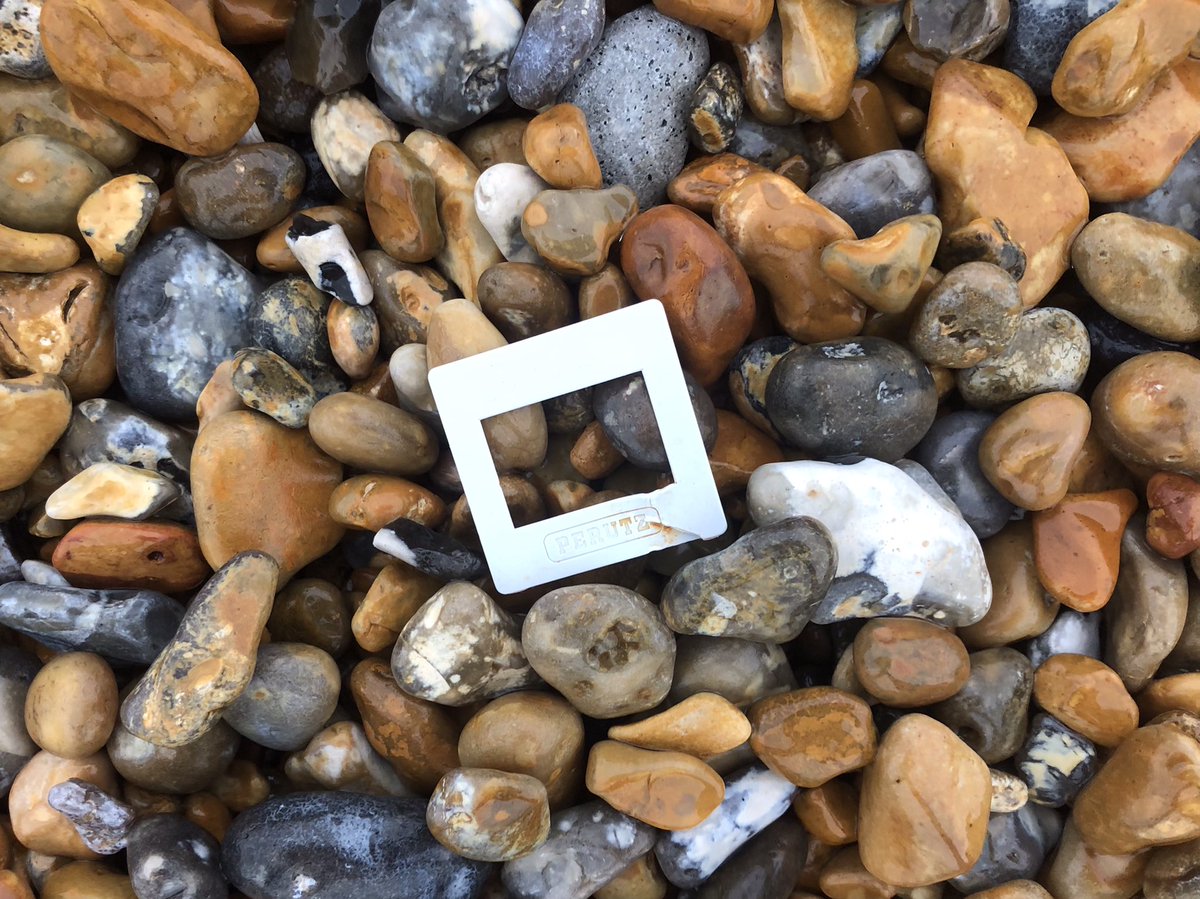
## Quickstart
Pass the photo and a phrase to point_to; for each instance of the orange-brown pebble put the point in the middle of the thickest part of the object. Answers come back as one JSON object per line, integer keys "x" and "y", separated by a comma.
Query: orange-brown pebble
{"x": 641, "y": 880}
{"x": 702, "y": 725}
{"x": 530, "y": 732}
{"x": 86, "y": 880}
{"x": 557, "y": 146}
{"x": 241, "y": 787}
{"x": 811, "y": 736}
{"x": 1164, "y": 762}
{"x": 1028, "y": 452}
{"x": 131, "y": 555}
{"x": 273, "y": 252}
{"x": 395, "y": 595}
{"x": 1097, "y": 470}
{"x": 418, "y": 738}
{"x": 819, "y": 55}
{"x": 488, "y": 815}
{"x": 594, "y": 455}
{"x": 605, "y": 291}
{"x": 1079, "y": 872}
{"x": 1015, "y": 889}
{"x": 924, "y": 805}
{"x": 740, "y": 449}
{"x": 1087, "y": 696}
{"x": 253, "y": 21}
{"x": 133, "y": 60}
{"x": 829, "y": 812}
{"x": 672, "y": 255}
{"x": 907, "y": 119}
{"x": 1173, "y": 523}
{"x": 1178, "y": 692}
{"x": 34, "y": 412}
{"x": 35, "y": 824}
{"x": 1021, "y": 607}
{"x": 988, "y": 163}
{"x": 401, "y": 203}
{"x": 865, "y": 128}
{"x": 667, "y": 790}
{"x": 13, "y": 886}
{"x": 1147, "y": 412}
{"x": 779, "y": 233}
{"x": 258, "y": 485}
{"x": 907, "y": 64}
{"x": 845, "y": 877}
{"x": 209, "y": 812}
{"x": 354, "y": 337}
{"x": 909, "y": 662}
{"x": 1077, "y": 546}
{"x": 218, "y": 395}
{"x": 702, "y": 180}
{"x": 71, "y": 706}
{"x": 1126, "y": 157}
{"x": 1111, "y": 63}
{"x": 370, "y": 501}
{"x": 737, "y": 21}
{"x": 886, "y": 270}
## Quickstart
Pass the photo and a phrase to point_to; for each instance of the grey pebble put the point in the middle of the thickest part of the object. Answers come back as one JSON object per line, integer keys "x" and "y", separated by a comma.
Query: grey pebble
{"x": 949, "y": 451}
{"x": 558, "y": 36}
{"x": 291, "y": 696}
{"x": 635, "y": 90}
{"x": 1070, "y": 632}
{"x": 126, "y": 627}
{"x": 876, "y": 190}
{"x": 876, "y": 28}
{"x": 101, "y": 820}
{"x": 180, "y": 769}
{"x": 1016, "y": 845}
{"x": 170, "y": 857}
{"x": 180, "y": 309}
{"x": 444, "y": 66}
{"x": 622, "y": 406}
{"x": 990, "y": 710}
{"x": 1039, "y": 32}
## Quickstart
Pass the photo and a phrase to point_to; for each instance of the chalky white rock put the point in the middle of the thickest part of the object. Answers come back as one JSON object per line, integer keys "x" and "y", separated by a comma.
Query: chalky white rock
{"x": 324, "y": 251}
{"x": 900, "y": 550}
{"x": 501, "y": 195}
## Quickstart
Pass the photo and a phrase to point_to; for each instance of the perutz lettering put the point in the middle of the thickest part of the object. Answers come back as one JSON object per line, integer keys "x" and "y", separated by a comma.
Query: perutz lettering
{"x": 623, "y": 527}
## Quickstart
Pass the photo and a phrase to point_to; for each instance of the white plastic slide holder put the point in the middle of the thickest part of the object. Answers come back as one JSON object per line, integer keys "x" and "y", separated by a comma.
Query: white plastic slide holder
{"x": 630, "y": 340}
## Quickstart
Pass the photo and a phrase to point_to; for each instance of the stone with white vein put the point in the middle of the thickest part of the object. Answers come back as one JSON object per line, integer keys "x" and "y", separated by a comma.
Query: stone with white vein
{"x": 501, "y": 195}
{"x": 900, "y": 550}
{"x": 329, "y": 260}
{"x": 754, "y": 798}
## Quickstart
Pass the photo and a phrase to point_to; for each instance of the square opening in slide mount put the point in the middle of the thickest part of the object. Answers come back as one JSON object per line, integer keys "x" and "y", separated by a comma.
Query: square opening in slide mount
{"x": 630, "y": 340}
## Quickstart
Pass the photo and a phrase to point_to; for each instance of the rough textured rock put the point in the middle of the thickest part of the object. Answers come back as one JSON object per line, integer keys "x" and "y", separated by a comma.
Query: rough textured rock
{"x": 635, "y": 89}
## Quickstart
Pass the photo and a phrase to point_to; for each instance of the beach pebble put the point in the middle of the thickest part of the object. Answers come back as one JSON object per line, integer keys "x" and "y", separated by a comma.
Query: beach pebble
{"x": 877, "y": 190}
{"x": 971, "y": 315}
{"x": 754, "y": 798}
{"x": 324, "y": 251}
{"x": 763, "y": 587}
{"x": 989, "y": 711}
{"x": 667, "y": 790}
{"x": 293, "y": 692}
{"x": 1049, "y": 352}
{"x": 866, "y": 396}
{"x": 813, "y": 735}
{"x": 488, "y": 815}
{"x": 71, "y": 706}
{"x": 438, "y": 555}
{"x": 558, "y": 36}
{"x": 624, "y": 411}
{"x": 301, "y": 841}
{"x": 949, "y": 451}
{"x": 1016, "y": 845}
{"x": 170, "y": 856}
{"x": 876, "y": 574}
{"x": 587, "y": 847}
{"x": 909, "y": 802}
{"x": 125, "y": 627}
{"x": 657, "y": 62}
{"x": 605, "y": 648}
{"x": 174, "y": 287}
{"x": 501, "y": 195}
{"x": 112, "y": 489}
{"x": 1055, "y": 762}
{"x": 101, "y": 820}
{"x": 219, "y": 635}
{"x": 460, "y": 647}
{"x": 181, "y": 769}
{"x": 113, "y": 218}
{"x": 444, "y": 68}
